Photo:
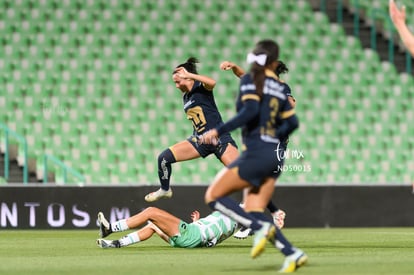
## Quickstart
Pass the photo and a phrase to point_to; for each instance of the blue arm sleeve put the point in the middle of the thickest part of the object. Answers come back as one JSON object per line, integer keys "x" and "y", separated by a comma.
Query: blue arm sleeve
{"x": 249, "y": 111}
{"x": 287, "y": 127}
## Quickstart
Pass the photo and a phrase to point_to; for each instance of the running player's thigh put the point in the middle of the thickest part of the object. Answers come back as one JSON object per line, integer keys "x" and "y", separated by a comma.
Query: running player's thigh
{"x": 257, "y": 198}
{"x": 226, "y": 182}
{"x": 230, "y": 155}
{"x": 184, "y": 150}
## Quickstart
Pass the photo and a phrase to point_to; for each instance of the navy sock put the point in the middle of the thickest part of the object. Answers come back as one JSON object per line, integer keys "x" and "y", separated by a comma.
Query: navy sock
{"x": 165, "y": 159}
{"x": 281, "y": 242}
{"x": 261, "y": 217}
{"x": 232, "y": 209}
{"x": 272, "y": 208}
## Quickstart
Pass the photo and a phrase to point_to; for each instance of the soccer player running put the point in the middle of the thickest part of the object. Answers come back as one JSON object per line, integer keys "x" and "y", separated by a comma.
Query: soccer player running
{"x": 204, "y": 232}
{"x": 277, "y": 214}
{"x": 266, "y": 118}
{"x": 398, "y": 18}
{"x": 201, "y": 109}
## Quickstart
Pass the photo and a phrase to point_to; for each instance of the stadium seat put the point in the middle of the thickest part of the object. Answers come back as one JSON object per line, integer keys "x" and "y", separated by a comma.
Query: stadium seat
{"x": 90, "y": 82}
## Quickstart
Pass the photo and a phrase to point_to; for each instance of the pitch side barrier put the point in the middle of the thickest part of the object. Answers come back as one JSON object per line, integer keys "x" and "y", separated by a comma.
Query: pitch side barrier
{"x": 64, "y": 207}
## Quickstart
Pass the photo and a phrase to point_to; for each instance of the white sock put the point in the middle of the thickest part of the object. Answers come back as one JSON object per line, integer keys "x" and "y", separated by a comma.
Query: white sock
{"x": 129, "y": 239}
{"x": 120, "y": 225}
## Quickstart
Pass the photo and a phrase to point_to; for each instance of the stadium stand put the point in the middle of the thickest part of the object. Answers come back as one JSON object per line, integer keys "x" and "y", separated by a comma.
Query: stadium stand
{"x": 90, "y": 83}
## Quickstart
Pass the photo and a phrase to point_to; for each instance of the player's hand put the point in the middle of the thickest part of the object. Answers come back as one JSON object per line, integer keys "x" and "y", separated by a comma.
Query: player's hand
{"x": 279, "y": 218}
{"x": 210, "y": 137}
{"x": 195, "y": 215}
{"x": 226, "y": 65}
{"x": 182, "y": 72}
{"x": 397, "y": 15}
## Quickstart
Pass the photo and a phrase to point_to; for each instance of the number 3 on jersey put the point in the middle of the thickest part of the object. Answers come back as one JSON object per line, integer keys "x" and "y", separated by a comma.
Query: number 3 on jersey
{"x": 269, "y": 129}
{"x": 196, "y": 115}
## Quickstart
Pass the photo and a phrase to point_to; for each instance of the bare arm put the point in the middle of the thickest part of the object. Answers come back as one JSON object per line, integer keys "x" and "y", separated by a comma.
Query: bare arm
{"x": 292, "y": 101}
{"x": 398, "y": 18}
{"x": 237, "y": 70}
{"x": 208, "y": 82}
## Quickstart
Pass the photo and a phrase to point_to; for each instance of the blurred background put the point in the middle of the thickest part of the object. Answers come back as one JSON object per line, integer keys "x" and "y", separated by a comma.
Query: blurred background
{"x": 86, "y": 94}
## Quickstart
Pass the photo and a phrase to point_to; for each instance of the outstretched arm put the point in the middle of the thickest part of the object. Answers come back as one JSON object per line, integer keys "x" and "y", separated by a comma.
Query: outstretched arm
{"x": 208, "y": 82}
{"x": 237, "y": 70}
{"x": 398, "y": 18}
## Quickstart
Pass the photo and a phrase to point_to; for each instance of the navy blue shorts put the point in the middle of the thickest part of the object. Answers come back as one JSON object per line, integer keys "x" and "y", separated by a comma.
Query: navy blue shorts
{"x": 256, "y": 165}
{"x": 207, "y": 149}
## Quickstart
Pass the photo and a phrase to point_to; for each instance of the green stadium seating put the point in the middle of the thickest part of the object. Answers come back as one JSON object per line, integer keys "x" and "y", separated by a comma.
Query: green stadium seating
{"x": 90, "y": 82}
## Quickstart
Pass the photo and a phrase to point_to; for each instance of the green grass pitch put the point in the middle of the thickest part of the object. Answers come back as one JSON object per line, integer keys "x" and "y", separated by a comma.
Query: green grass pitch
{"x": 330, "y": 251}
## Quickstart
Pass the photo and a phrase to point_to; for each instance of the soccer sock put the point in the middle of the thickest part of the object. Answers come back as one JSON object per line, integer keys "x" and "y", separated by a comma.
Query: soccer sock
{"x": 232, "y": 209}
{"x": 165, "y": 159}
{"x": 272, "y": 208}
{"x": 129, "y": 239}
{"x": 261, "y": 216}
{"x": 281, "y": 242}
{"x": 120, "y": 225}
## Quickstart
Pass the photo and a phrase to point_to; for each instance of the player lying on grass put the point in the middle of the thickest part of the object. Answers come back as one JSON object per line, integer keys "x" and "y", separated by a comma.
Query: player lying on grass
{"x": 202, "y": 232}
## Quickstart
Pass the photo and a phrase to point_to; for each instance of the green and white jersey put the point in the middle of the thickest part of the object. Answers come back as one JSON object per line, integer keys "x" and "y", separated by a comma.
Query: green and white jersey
{"x": 215, "y": 228}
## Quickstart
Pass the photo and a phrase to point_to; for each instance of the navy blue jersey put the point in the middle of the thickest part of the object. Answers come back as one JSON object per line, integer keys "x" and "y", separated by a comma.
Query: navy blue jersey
{"x": 287, "y": 91}
{"x": 274, "y": 107}
{"x": 201, "y": 109}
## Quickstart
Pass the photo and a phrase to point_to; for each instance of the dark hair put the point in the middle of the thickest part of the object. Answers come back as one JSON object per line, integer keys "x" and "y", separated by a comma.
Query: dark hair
{"x": 271, "y": 49}
{"x": 190, "y": 65}
{"x": 281, "y": 68}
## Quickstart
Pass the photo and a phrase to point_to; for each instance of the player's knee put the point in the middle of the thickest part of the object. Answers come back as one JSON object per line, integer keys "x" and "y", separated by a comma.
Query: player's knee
{"x": 150, "y": 210}
{"x": 166, "y": 156}
{"x": 208, "y": 196}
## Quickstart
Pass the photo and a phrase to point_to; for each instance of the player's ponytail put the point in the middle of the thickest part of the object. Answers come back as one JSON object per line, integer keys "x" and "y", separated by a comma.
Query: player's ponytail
{"x": 190, "y": 65}
{"x": 265, "y": 52}
{"x": 258, "y": 74}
